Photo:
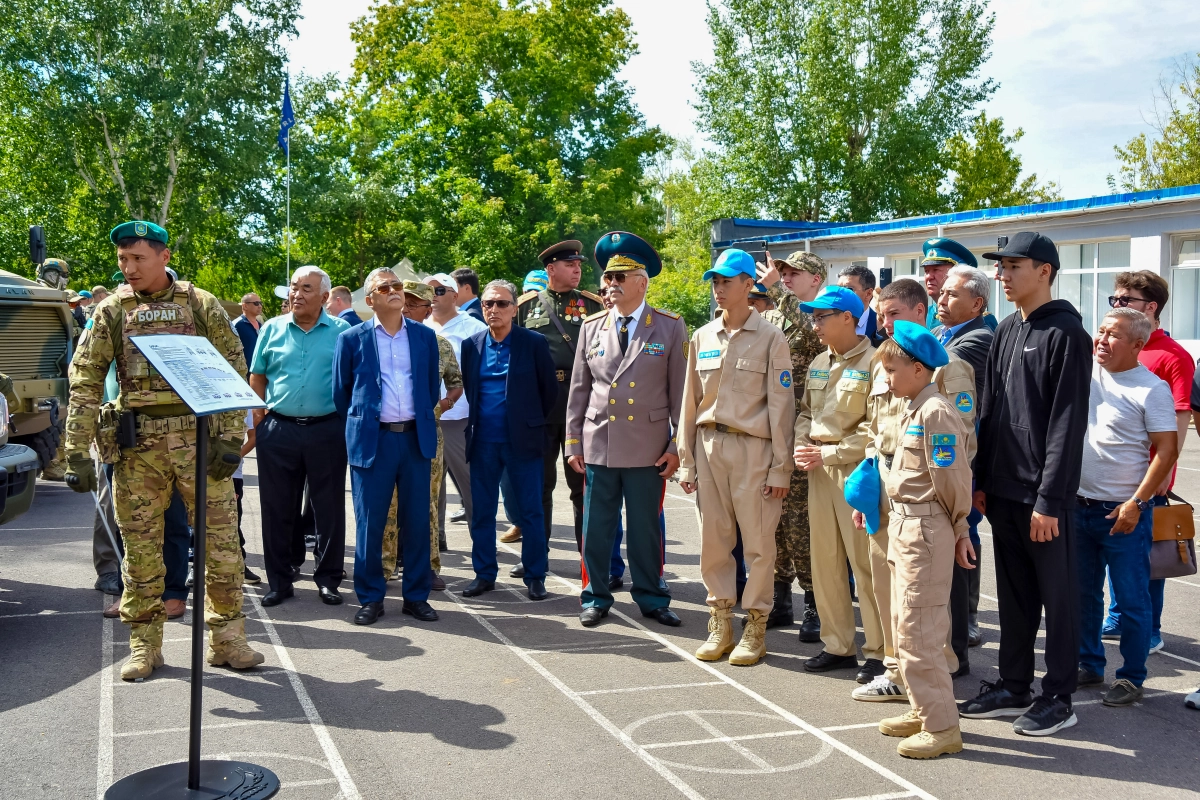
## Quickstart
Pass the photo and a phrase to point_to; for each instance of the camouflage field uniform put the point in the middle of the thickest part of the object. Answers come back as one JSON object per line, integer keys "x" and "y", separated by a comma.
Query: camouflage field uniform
{"x": 452, "y": 378}
{"x": 165, "y": 457}
{"x": 792, "y": 561}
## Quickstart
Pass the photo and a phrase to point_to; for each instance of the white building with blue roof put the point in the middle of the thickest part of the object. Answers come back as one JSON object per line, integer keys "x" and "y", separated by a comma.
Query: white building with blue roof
{"x": 1097, "y": 237}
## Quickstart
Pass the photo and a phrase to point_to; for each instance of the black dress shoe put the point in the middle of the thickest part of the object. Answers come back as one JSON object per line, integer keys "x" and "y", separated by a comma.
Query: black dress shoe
{"x": 517, "y": 572}
{"x": 964, "y": 668}
{"x": 330, "y": 597}
{"x": 615, "y": 582}
{"x": 419, "y": 609}
{"x": 827, "y": 661}
{"x": 871, "y": 669}
{"x": 368, "y": 613}
{"x": 537, "y": 589}
{"x": 295, "y": 573}
{"x": 590, "y": 617}
{"x": 478, "y": 587}
{"x": 438, "y": 584}
{"x": 274, "y": 598}
{"x": 664, "y": 615}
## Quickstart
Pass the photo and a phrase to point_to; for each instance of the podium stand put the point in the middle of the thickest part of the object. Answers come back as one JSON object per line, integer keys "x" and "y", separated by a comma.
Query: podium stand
{"x": 195, "y": 779}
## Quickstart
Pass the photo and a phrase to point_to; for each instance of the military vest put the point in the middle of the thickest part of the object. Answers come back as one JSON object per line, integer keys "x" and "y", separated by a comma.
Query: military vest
{"x": 141, "y": 385}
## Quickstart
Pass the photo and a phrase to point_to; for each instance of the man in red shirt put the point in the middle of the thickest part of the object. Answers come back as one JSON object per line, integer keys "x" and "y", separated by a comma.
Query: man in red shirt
{"x": 1148, "y": 292}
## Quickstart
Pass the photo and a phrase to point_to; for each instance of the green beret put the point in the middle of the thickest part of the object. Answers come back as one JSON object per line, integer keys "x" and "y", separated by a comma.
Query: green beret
{"x": 138, "y": 229}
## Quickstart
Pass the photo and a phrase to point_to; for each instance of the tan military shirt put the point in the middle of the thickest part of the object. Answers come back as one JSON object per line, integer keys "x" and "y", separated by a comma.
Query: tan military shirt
{"x": 956, "y": 382}
{"x": 931, "y": 465}
{"x": 743, "y": 381}
{"x": 834, "y": 411}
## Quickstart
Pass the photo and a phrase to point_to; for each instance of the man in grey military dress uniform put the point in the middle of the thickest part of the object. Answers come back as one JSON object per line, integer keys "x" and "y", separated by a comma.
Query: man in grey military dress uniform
{"x": 557, "y": 313}
{"x": 623, "y": 407}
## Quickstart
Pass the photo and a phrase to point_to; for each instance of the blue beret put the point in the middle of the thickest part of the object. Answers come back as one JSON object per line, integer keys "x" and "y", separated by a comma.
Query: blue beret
{"x": 946, "y": 251}
{"x": 536, "y": 281}
{"x": 863, "y": 493}
{"x": 138, "y": 229}
{"x": 759, "y": 289}
{"x": 919, "y": 343}
{"x": 732, "y": 262}
{"x": 838, "y": 298}
{"x": 618, "y": 251}
{"x": 86, "y": 293}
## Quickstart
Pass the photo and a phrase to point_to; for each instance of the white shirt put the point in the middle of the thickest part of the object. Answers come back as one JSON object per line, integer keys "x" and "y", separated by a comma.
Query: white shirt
{"x": 617, "y": 316}
{"x": 861, "y": 328}
{"x": 395, "y": 373}
{"x": 462, "y": 326}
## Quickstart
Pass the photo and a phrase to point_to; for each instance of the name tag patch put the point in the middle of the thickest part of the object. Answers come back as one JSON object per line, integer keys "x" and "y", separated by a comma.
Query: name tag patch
{"x": 915, "y": 430}
{"x": 156, "y": 314}
{"x": 856, "y": 375}
{"x": 654, "y": 349}
{"x": 819, "y": 374}
{"x": 943, "y": 456}
{"x": 963, "y": 402}
{"x": 709, "y": 354}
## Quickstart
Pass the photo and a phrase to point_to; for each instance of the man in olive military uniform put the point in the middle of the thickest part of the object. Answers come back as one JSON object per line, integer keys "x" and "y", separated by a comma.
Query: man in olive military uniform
{"x": 789, "y": 283}
{"x": 557, "y": 313}
{"x": 163, "y": 457}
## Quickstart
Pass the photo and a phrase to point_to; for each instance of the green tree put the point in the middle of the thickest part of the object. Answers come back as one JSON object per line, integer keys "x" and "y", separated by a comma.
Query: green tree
{"x": 987, "y": 171}
{"x": 501, "y": 127}
{"x": 841, "y": 109}
{"x": 163, "y": 111}
{"x": 1172, "y": 156}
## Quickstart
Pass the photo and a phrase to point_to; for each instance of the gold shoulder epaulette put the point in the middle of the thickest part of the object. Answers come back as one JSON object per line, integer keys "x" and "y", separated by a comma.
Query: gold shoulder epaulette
{"x": 591, "y": 296}
{"x": 597, "y": 315}
{"x": 526, "y": 297}
{"x": 667, "y": 313}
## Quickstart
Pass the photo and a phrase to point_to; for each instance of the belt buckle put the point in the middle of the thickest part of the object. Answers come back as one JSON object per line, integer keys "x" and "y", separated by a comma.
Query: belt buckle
{"x": 721, "y": 427}
{"x": 561, "y": 374}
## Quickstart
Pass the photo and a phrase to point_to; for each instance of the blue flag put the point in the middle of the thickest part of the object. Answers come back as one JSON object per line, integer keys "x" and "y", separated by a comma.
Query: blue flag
{"x": 288, "y": 119}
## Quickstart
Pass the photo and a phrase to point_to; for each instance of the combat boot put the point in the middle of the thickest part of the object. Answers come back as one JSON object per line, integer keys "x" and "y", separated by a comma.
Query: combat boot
{"x": 720, "y": 633}
{"x": 753, "y": 645}
{"x": 236, "y": 654}
{"x": 931, "y": 744}
{"x": 781, "y": 607}
{"x": 909, "y": 724}
{"x": 810, "y": 626}
{"x": 145, "y": 650}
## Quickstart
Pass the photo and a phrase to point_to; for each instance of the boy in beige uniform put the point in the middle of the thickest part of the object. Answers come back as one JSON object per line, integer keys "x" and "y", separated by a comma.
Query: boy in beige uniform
{"x": 831, "y": 439}
{"x": 929, "y": 492}
{"x": 735, "y": 447}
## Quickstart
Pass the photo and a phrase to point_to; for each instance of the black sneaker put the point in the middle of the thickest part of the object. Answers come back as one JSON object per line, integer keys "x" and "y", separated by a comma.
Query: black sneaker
{"x": 994, "y": 701}
{"x": 1088, "y": 678}
{"x": 827, "y": 661}
{"x": 872, "y": 668}
{"x": 1122, "y": 693}
{"x": 1047, "y": 716}
{"x": 250, "y": 576}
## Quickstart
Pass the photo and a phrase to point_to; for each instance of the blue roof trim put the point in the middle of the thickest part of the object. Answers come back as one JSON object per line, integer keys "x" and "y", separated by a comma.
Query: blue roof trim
{"x": 1102, "y": 201}
{"x": 775, "y": 223}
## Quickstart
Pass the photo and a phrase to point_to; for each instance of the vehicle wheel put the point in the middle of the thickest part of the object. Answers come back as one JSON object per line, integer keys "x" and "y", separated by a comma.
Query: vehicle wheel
{"x": 45, "y": 443}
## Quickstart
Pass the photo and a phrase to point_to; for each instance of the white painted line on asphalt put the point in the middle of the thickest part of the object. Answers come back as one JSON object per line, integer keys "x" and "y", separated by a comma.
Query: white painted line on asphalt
{"x": 892, "y": 796}
{"x": 104, "y": 742}
{"x": 835, "y": 728}
{"x": 719, "y": 735}
{"x": 67, "y": 528}
{"x": 238, "y": 724}
{"x": 255, "y": 675}
{"x": 316, "y": 782}
{"x": 652, "y": 688}
{"x": 336, "y": 765}
{"x": 589, "y": 648}
{"x": 1178, "y": 658}
{"x": 1185, "y": 583}
{"x": 47, "y": 613}
{"x": 725, "y": 739}
{"x": 583, "y": 705}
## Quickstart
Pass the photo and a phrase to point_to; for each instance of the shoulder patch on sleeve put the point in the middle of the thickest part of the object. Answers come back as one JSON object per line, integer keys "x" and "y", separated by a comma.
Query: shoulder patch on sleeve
{"x": 947, "y": 439}
{"x": 526, "y": 297}
{"x": 963, "y": 402}
{"x": 666, "y": 313}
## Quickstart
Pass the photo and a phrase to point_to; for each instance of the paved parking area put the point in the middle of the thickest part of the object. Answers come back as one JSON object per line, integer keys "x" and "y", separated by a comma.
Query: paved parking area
{"x": 504, "y": 697}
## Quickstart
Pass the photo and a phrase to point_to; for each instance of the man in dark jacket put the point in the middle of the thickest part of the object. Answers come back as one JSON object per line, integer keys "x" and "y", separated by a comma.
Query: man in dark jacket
{"x": 1031, "y": 428}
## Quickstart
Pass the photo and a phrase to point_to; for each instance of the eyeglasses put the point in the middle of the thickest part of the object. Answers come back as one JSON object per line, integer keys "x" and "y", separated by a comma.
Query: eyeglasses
{"x": 252, "y": 303}
{"x": 389, "y": 288}
{"x": 1123, "y": 302}
{"x": 819, "y": 319}
{"x": 497, "y": 303}
{"x": 439, "y": 290}
{"x": 418, "y": 305}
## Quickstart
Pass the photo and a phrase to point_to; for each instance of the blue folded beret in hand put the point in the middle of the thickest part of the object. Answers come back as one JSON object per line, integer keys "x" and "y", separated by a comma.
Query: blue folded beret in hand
{"x": 863, "y": 491}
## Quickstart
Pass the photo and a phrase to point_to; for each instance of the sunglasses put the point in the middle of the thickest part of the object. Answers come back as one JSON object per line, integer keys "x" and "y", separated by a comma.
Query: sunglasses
{"x": 1123, "y": 302}
{"x": 439, "y": 290}
{"x": 252, "y": 303}
{"x": 389, "y": 288}
{"x": 497, "y": 303}
{"x": 418, "y": 305}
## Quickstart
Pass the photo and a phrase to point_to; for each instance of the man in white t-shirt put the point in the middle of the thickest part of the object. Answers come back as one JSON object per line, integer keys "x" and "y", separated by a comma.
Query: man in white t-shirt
{"x": 1129, "y": 411}
{"x": 454, "y": 325}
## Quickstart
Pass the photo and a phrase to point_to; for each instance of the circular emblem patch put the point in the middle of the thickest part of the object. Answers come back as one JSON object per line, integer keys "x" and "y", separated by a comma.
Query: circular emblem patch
{"x": 139, "y": 228}
{"x": 616, "y": 237}
{"x": 943, "y": 456}
{"x": 963, "y": 402}
{"x": 785, "y": 379}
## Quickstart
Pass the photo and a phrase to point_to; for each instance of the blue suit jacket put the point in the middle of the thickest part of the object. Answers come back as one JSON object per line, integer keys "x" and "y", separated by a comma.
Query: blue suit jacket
{"x": 532, "y": 389}
{"x": 351, "y": 316}
{"x": 358, "y": 389}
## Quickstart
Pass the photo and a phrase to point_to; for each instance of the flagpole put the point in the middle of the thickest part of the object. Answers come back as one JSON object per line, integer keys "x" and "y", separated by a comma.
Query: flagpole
{"x": 287, "y": 279}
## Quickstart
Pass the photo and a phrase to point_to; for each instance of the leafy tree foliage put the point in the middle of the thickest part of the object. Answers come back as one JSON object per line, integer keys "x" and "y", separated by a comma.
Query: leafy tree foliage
{"x": 1172, "y": 156}
{"x": 987, "y": 171}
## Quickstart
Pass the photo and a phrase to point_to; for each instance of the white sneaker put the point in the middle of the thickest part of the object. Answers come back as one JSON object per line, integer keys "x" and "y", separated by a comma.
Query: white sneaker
{"x": 1156, "y": 644}
{"x": 1193, "y": 700}
{"x": 880, "y": 690}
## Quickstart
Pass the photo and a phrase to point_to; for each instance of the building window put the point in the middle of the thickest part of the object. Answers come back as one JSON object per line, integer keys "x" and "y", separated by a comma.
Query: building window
{"x": 904, "y": 268}
{"x": 1185, "y": 287}
{"x": 1087, "y": 273}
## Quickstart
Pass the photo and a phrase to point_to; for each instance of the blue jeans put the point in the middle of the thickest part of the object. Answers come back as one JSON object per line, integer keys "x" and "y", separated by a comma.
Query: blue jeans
{"x": 1127, "y": 557}
{"x": 1158, "y": 590}
{"x": 177, "y": 541}
{"x": 489, "y": 461}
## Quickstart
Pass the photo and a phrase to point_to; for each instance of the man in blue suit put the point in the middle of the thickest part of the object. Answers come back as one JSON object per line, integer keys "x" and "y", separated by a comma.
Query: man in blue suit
{"x": 385, "y": 385}
{"x": 510, "y": 386}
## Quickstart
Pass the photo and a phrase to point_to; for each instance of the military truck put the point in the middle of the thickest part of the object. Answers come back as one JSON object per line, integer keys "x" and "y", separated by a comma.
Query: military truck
{"x": 18, "y": 466}
{"x": 36, "y": 329}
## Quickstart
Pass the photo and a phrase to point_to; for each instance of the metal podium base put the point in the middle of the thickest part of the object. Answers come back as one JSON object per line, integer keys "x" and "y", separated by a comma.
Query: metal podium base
{"x": 219, "y": 780}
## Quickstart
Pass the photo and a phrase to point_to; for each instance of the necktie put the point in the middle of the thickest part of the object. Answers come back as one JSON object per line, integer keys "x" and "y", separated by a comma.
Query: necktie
{"x": 623, "y": 334}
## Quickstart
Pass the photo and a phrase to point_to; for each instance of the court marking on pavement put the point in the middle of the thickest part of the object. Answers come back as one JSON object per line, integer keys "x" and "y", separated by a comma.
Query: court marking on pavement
{"x": 104, "y": 742}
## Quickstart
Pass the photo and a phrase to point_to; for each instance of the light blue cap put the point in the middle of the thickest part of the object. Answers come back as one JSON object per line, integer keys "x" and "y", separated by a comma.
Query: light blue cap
{"x": 536, "y": 281}
{"x": 862, "y": 493}
{"x": 732, "y": 262}
{"x": 919, "y": 343}
{"x": 838, "y": 298}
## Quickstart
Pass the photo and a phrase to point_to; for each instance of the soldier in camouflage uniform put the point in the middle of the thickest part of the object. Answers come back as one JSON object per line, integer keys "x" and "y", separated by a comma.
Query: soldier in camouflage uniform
{"x": 164, "y": 457}
{"x": 789, "y": 283}
{"x": 418, "y": 297}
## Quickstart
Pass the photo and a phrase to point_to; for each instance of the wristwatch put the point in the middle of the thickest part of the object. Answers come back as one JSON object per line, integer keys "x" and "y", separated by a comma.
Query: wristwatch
{"x": 1141, "y": 504}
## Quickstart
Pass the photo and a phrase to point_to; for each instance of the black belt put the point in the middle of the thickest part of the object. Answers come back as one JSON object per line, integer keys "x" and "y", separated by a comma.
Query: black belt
{"x": 400, "y": 427}
{"x": 303, "y": 420}
{"x": 1087, "y": 501}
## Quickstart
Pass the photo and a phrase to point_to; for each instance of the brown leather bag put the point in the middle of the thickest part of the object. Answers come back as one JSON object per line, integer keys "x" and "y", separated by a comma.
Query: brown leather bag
{"x": 1173, "y": 553}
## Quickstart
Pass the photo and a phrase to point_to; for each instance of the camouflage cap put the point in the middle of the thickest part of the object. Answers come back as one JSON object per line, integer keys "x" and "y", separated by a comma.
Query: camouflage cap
{"x": 805, "y": 262}
{"x": 418, "y": 289}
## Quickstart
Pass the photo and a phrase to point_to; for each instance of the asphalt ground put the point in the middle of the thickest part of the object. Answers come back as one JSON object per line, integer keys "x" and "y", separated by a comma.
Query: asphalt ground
{"x": 504, "y": 697}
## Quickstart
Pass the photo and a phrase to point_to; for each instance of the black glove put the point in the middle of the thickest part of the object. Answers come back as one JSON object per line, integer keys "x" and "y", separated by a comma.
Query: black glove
{"x": 223, "y": 458}
{"x": 81, "y": 473}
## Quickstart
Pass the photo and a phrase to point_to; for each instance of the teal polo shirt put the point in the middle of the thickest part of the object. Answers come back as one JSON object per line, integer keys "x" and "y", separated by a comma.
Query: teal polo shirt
{"x": 298, "y": 364}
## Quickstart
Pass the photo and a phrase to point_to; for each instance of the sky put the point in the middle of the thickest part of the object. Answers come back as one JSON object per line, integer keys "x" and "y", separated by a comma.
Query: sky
{"x": 1079, "y": 76}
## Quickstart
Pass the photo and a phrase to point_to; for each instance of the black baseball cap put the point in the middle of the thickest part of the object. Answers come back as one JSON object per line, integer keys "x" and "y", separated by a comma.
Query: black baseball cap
{"x": 1028, "y": 244}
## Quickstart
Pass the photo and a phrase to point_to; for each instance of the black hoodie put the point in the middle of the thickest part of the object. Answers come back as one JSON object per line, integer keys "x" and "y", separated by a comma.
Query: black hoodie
{"x": 1034, "y": 411}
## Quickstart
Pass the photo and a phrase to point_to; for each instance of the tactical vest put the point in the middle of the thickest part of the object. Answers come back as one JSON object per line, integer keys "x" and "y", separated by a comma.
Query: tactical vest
{"x": 141, "y": 385}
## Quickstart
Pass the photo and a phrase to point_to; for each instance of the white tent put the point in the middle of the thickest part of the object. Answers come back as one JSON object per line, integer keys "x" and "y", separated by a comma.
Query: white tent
{"x": 404, "y": 271}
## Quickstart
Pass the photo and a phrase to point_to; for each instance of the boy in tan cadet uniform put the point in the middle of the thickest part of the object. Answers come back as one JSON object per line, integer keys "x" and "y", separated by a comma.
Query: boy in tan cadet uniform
{"x": 906, "y": 300}
{"x": 831, "y": 439}
{"x": 929, "y": 492}
{"x": 734, "y": 446}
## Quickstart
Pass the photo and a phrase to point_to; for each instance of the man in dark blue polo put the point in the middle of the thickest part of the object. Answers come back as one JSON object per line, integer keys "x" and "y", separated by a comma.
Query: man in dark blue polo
{"x": 300, "y": 437}
{"x": 246, "y": 325}
{"x": 510, "y": 386}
